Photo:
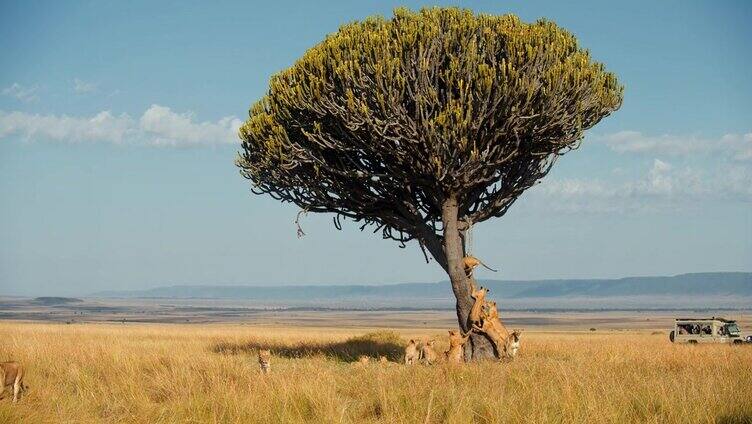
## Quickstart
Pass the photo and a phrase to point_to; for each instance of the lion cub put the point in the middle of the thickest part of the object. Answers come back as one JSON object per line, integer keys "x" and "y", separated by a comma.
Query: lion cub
{"x": 477, "y": 310}
{"x": 513, "y": 343}
{"x": 12, "y": 377}
{"x": 264, "y": 358}
{"x": 470, "y": 262}
{"x": 494, "y": 329}
{"x": 456, "y": 343}
{"x": 363, "y": 359}
{"x": 490, "y": 311}
{"x": 412, "y": 354}
{"x": 427, "y": 353}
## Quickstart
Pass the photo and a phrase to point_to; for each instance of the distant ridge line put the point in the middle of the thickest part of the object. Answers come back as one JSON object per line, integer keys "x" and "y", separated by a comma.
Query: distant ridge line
{"x": 725, "y": 284}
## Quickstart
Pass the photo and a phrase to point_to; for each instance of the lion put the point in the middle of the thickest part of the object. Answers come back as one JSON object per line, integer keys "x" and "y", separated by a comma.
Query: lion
{"x": 363, "y": 359}
{"x": 489, "y": 310}
{"x": 12, "y": 374}
{"x": 497, "y": 337}
{"x": 427, "y": 353}
{"x": 493, "y": 328}
{"x": 477, "y": 309}
{"x": 264, "y": 358}
{"x": 412, "y": 354}
{"x": 512, "y": 345}
{"x": 470, "y": 262}
{"x": 456, "y": 342}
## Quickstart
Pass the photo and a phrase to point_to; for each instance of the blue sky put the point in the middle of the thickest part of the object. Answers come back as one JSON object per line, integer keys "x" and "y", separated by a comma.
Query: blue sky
{"x": 117, "y": 123}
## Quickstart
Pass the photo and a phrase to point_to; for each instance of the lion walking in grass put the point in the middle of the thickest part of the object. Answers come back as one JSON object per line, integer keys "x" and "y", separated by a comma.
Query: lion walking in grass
{"x": 12, "y": 374}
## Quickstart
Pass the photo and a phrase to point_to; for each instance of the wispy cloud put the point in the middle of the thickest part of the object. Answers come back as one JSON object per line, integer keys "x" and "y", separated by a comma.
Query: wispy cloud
{"x": 662, "y": 186}
{"x": 24, "y": 94}
{"x": 83, "y": 87}
{"x": 736, "y": 146}
{"x": 157, "y": 126}
{"x": 103, "y": 126}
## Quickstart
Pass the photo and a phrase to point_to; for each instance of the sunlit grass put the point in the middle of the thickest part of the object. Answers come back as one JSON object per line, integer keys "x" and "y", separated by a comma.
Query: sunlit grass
{"x": 198, "y": 374}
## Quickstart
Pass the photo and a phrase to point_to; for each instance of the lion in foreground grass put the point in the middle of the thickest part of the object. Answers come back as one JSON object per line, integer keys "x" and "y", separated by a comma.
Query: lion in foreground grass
{"x": 11, "y": 374}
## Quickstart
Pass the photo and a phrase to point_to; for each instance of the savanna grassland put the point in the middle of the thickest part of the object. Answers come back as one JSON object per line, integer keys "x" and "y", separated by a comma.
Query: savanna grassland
{"x": 165, "y": 373}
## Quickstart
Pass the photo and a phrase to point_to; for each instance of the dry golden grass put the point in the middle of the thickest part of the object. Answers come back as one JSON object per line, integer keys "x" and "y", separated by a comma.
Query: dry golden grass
{"x": 209, "y": 374}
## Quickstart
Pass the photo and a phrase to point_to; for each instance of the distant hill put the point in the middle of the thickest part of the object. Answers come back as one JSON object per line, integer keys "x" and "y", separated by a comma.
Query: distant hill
{"x": 733, "y": 289}
{"x": 48, "y": 301}
{"x": 699, "y": 284}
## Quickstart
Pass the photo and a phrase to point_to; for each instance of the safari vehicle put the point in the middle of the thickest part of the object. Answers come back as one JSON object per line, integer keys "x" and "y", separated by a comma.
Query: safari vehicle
{"x": 705, "y": 330}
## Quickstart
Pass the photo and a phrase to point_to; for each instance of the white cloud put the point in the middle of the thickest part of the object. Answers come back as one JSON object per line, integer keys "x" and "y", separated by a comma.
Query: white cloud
{"x": 103, "y": 126}
{"x": 736, "y": 146}
{"x": 662, "y": 186}
{"x": 166, "y": 127}
{"x": 81, "y": 87}
{"x": 744, "y": 152}
{"x": 24, "y": 94}
{"x": 158, "y": 126}
{"x": 659, "y": 180}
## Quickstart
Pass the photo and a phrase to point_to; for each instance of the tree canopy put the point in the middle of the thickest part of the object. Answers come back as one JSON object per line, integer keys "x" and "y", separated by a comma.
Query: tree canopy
{"x": 385, "y": 119}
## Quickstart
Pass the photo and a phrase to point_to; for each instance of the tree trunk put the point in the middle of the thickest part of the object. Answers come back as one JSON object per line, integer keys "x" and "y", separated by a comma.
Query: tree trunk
{"x": 480, "y": 347}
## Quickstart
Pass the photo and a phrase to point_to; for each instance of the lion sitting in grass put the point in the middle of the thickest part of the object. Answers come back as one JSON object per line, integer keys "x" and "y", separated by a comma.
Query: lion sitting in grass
{"x": 457, "y": 342}
{"x": 513, "y": 344}
{"x": 412, "y": 354}
{"x": 427, "y": 353}
{"x": 264, "y": 359}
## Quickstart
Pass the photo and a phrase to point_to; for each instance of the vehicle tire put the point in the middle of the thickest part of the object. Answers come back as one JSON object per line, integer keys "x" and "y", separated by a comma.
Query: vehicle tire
{"x": 738, "y": 342}
{"x": 671, "y": 336}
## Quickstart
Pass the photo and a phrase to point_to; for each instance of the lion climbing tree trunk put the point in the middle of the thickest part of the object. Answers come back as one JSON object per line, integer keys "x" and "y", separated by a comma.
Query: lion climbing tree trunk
{"x": 480, "y": 346}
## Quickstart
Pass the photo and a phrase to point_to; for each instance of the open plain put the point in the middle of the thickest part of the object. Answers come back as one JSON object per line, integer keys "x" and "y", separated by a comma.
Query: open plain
{"x": 624, "y": 371}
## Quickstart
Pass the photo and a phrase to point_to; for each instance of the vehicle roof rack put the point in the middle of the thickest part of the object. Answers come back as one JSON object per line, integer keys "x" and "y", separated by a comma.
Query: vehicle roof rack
{"x": 705, "y": 319}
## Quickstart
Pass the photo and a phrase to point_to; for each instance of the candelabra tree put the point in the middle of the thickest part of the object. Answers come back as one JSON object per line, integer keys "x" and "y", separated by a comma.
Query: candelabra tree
{"x": 421, "y": 125}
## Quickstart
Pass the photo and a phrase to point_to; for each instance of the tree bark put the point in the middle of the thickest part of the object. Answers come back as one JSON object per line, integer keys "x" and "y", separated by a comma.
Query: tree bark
{"x": 480, "y": 347}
